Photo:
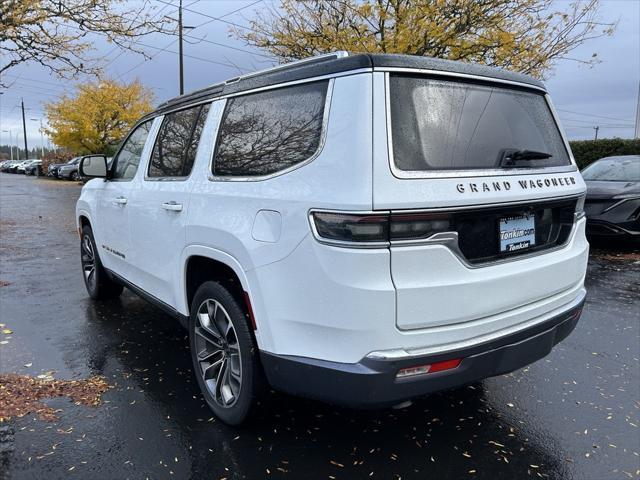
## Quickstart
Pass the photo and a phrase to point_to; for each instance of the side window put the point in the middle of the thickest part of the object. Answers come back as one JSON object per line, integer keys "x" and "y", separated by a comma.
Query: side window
{"x": 177, "y": 143}
{"x": 263, "y": 133}
{"x": 128, "y": 157}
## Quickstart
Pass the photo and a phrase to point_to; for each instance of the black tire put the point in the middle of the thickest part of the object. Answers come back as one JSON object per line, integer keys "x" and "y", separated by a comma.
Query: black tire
{"x": 230, "y": 399}
{"x": 96, "y": 280}
{"x": 74, "y": 177}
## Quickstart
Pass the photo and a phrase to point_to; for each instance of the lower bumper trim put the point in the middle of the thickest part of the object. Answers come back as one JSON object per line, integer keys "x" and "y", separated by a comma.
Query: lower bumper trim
{"x": 373, "y": 382}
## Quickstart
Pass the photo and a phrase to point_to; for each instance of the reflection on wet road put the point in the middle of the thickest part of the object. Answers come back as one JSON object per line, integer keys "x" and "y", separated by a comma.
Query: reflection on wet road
{"x": 574, "y": 414}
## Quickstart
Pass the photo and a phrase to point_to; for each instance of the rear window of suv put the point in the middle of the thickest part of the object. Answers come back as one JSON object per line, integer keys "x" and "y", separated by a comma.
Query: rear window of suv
{"x": 451, "y": 125}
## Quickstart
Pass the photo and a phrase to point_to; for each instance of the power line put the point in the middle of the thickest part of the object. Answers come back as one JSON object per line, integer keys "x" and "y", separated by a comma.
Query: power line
{"x": 219, "y": 19}
{"x": 594, "y": 115}
{"x": 148, "y": 60}
{"x": 230, "y": 46}
{"x": 34, "y": 92}
{"x": 212, "y": 19}
{"x": 208, "y": 60}
{"x": 20, "y": 78}
{"x": 570, "y": 127}
{"x": 123, "y": 50}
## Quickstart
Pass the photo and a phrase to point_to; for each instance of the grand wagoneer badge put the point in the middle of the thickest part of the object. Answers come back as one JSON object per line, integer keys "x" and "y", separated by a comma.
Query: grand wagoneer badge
{"x": 531, "y": 184}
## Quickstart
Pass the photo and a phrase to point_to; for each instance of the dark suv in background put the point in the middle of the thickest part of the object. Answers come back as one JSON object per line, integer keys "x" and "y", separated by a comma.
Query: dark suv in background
{"x": 612, "y": 205}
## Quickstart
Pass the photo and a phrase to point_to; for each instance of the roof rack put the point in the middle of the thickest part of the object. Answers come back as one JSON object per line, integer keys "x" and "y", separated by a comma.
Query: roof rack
{"x": 285, "y": 66}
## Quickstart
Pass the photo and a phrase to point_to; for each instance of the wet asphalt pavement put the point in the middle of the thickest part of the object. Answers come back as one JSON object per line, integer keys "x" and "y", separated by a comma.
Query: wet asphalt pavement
{"x": 572, "y": 415}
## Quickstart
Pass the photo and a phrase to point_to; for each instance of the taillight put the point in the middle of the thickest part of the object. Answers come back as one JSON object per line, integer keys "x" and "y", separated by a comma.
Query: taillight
{"x": 351, "y": 228}
{"x": 375, "y": 229}
{"x": 418, "y": 226}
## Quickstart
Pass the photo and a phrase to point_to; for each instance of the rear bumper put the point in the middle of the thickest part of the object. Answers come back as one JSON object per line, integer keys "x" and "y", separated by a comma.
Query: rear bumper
{"x": 372, "y": 381}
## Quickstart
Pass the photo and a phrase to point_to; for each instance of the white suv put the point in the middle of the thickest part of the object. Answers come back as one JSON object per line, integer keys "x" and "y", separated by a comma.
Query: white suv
{"x": 360, "y": 229}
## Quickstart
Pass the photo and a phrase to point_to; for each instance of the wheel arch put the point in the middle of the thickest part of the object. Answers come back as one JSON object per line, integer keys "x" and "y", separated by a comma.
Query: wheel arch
{"x": 83, "y": 219}
{"x": 202, "y": 263}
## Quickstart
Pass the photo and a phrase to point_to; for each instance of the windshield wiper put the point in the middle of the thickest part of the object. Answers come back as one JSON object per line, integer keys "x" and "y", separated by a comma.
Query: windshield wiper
{"x": 509, "y": 157}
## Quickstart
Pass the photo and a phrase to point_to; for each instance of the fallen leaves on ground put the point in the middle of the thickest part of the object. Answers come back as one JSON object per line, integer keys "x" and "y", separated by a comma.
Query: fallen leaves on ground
{"x": 22, "y": 394}
{"x": 612, "y": 256}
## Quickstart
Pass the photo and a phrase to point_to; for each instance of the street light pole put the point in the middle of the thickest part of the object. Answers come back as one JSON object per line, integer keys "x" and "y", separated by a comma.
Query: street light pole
{"x": 596, "y": 129}
{"x": 637, "y": 132}
{"x": 41, "y": 137}
{"x": 10, "y": 143}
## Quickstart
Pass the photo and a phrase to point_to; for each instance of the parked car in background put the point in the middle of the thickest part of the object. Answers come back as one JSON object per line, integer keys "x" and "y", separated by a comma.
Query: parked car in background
{"x": 69, "y": 171}
{"x": 52, "y": 171}
{"x": 32, "y": 168}
{"x": 19, "y": 166}
{"x": 25, "y": 164}
{"x": 612, "y": 205}
{"x": 7, "y": 165}
{"x": 449, "y": 248}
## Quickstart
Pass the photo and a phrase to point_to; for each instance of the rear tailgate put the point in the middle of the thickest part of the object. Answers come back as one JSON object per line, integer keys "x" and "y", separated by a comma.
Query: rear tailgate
{"x": 467, "y": 277}
{"x": 443, "y": 283}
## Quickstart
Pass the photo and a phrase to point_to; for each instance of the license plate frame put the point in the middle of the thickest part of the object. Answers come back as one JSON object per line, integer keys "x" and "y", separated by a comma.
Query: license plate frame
{"x": 516, "y": 233}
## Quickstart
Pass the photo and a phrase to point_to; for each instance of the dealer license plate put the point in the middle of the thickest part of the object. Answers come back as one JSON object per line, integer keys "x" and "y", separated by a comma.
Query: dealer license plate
{"x": 517, "y": 232}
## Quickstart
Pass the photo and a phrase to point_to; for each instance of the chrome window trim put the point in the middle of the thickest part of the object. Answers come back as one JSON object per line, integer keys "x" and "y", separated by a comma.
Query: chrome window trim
{"x": 446, "y": 239}
{"x": 445, "y": 73}
{"x": 259, "y": 178}
{"x": 489, "y": 172}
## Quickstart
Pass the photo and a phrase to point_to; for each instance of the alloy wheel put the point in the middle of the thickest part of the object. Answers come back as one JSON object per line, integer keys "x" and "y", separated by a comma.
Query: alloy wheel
{"x": 218, "y": 353}
{"x": 88, "y": 261}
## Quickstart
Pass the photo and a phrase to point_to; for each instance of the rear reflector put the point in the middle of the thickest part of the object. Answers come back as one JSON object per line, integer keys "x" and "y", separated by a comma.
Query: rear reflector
{"x": 432, "y": 368}
{"x": 252, "y": 319}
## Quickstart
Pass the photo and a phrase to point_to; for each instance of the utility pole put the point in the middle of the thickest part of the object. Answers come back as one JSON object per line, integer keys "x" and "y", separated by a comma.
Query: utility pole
{"x": 596, "y": 129}
{"x": 637, "y": 135}
{"x": 24, "y": 129}
{"x": 180, "y": 47}
{"x": 181, "y": 29}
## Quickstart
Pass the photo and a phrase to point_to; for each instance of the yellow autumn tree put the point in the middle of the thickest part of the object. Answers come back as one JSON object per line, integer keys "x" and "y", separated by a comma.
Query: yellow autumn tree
{"x": 97, "y": 116}
{"x": 527, "y": 36}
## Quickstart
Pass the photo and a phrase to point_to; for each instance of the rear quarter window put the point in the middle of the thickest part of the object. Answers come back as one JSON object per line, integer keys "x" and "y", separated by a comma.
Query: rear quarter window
{"x": 267, "y": 132}
{"x": 450, "y": 125}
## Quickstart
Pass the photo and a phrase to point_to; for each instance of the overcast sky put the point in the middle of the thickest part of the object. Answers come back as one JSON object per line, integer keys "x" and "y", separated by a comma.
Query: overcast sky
{"x": 604, "y": 95}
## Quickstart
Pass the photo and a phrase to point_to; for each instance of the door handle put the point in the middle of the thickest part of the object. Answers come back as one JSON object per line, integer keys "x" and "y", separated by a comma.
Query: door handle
{"x": 172, "y": 206}
{"x": 119, "y": 201}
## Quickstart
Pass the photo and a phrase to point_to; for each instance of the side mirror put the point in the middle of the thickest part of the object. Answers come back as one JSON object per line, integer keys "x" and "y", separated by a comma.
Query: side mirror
{"x": 93, "y": 166}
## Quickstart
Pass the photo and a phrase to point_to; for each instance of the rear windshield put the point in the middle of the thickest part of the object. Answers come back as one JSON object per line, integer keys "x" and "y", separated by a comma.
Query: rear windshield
{"x": 450, "y": 125}
{"x": 614, "y": 170}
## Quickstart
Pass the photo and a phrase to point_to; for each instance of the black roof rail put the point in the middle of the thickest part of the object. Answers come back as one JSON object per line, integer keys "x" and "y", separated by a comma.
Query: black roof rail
{"x": 341, "y": 61}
